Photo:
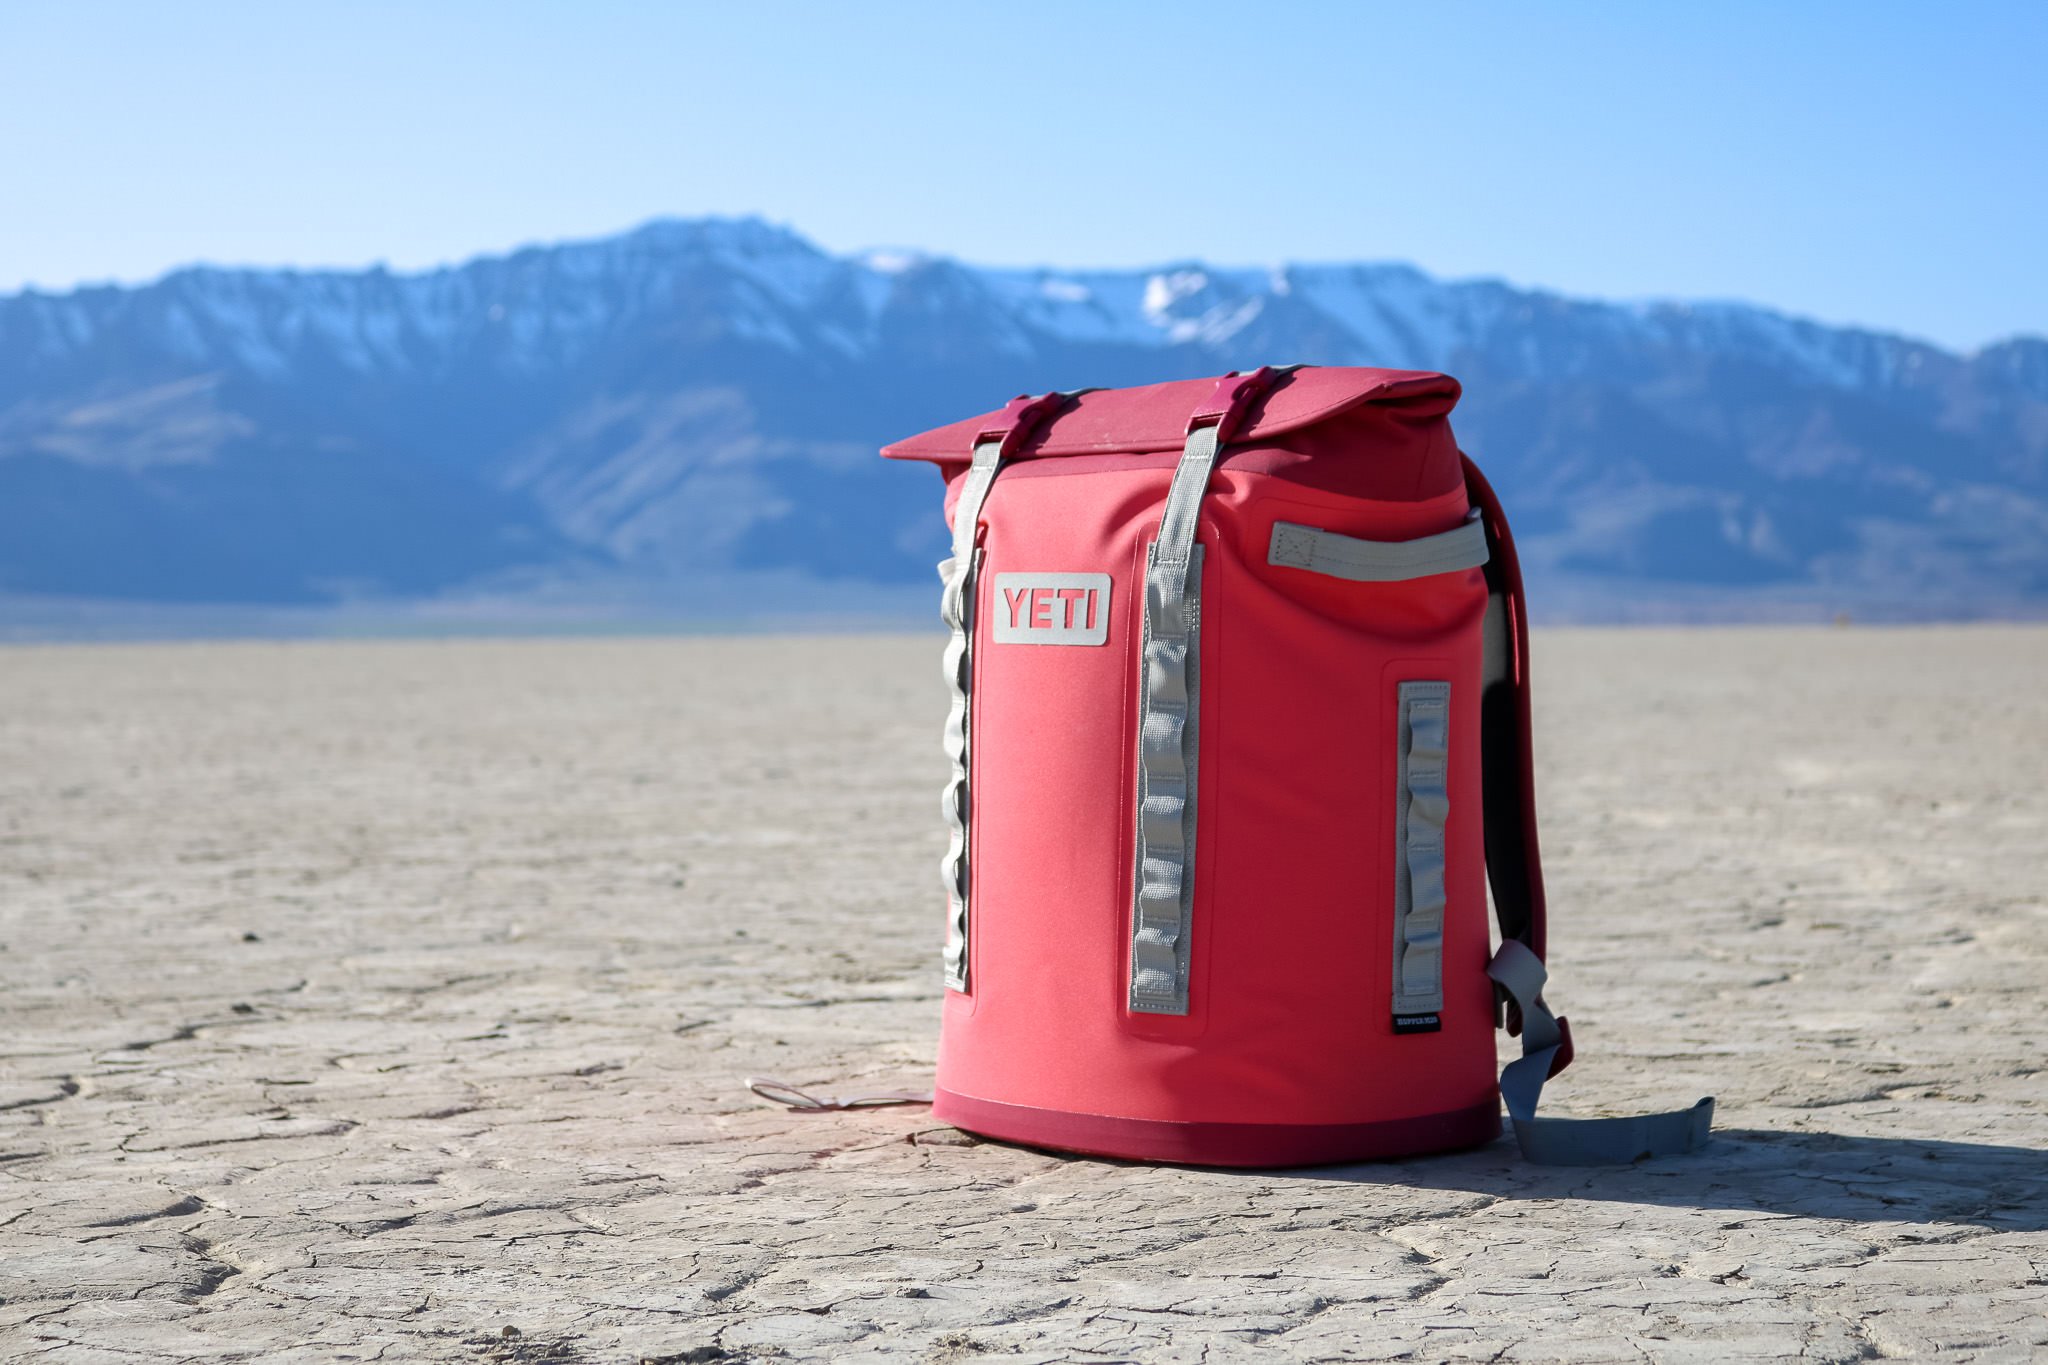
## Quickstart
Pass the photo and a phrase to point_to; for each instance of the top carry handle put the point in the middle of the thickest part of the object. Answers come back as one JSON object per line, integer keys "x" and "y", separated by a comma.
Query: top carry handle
{"x": 1170, "y": 705}
{"x": 992, "y": 447}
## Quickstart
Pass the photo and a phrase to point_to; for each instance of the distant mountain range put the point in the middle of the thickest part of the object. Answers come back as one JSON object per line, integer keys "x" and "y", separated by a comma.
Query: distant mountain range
{"x": 701, "y": 401}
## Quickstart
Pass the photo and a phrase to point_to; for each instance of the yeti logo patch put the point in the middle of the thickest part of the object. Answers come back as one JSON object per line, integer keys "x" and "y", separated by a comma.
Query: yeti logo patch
{"x": 1052, "y": 608}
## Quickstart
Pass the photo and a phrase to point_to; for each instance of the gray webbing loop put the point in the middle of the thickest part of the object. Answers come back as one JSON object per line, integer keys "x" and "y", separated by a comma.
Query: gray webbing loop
{"x": 1421, "y": 810}
{"x": 1575, "y": 1142}
{"x": 1377, "y": 561}
{"x": 956, "y": 609}
{"x": 1168, "y": 742}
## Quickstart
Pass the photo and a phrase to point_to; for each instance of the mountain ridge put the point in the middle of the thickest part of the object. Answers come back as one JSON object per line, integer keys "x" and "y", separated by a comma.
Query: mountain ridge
{"x": 704, "y": 397}
{"x": 893, "y": 259}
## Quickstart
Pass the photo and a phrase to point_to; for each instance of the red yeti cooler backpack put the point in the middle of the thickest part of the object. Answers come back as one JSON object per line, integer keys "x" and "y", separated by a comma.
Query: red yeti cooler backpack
{"x": 1239, "y": 729}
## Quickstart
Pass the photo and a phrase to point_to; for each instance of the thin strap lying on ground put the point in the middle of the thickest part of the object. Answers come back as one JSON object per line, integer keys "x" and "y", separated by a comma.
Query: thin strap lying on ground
{"x": 783, "y": 1093}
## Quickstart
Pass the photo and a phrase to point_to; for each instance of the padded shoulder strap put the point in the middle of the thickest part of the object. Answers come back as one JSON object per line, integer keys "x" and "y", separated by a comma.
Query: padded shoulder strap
{"x": 1514, "y": 868}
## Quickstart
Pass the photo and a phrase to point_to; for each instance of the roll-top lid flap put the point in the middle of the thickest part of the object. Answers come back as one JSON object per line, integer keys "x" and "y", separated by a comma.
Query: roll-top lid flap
{"x": 1155, "y": 417}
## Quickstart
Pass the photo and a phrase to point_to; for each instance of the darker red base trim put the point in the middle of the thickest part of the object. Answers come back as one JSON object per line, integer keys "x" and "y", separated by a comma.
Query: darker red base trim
{"x": 1220, "y": 1144}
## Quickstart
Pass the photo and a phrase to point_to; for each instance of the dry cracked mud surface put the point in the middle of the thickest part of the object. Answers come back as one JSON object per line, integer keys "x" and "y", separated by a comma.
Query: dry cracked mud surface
{"x": 390, "y": 1001}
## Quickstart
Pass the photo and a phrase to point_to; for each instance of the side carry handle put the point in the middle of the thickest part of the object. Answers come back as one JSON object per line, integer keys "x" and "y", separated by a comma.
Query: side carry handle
{"x": 1295, "y": 546}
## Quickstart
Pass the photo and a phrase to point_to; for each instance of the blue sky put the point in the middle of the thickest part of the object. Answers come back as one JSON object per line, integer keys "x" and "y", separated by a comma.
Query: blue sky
{"x": 1872, "y": 163}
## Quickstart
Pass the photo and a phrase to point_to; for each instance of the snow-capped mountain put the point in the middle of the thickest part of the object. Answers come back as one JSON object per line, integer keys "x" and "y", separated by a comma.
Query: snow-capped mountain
{"x": 705, "y": 398}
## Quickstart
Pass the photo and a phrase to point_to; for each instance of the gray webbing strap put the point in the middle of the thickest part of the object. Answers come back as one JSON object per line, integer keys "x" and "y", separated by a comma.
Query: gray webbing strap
{"x": 1168, "y": 742}
{"x": 1377, "y": 561}
{"x": 956, "y": 608}
{"x": 1575, "y": 1142}
{"x": 1421, "y": 807}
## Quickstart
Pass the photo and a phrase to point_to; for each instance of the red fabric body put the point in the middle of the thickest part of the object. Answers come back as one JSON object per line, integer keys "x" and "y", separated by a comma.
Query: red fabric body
{"x": 1287, "y": 1053}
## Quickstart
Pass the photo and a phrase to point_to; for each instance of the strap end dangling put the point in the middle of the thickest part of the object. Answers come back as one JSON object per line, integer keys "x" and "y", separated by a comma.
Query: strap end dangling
{"x": 792, "y": 1097}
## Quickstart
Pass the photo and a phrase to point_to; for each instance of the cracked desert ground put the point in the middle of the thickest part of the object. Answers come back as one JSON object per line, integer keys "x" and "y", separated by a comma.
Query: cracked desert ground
{"x": 391, "y": 1001}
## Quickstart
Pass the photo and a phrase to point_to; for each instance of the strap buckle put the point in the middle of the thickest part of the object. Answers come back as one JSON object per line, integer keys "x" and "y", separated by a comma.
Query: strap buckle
{"x": 1235, "y": 393}
{"x": 1021, "y": 417}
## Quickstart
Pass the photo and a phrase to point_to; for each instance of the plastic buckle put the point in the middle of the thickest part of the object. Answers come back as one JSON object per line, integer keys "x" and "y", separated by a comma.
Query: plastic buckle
{"x": 1234, "y": 395}
{"x": 1021, "y": 417}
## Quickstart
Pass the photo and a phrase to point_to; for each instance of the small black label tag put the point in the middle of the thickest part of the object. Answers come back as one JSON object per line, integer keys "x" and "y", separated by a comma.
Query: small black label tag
{"x": 1418, "y": 1023}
